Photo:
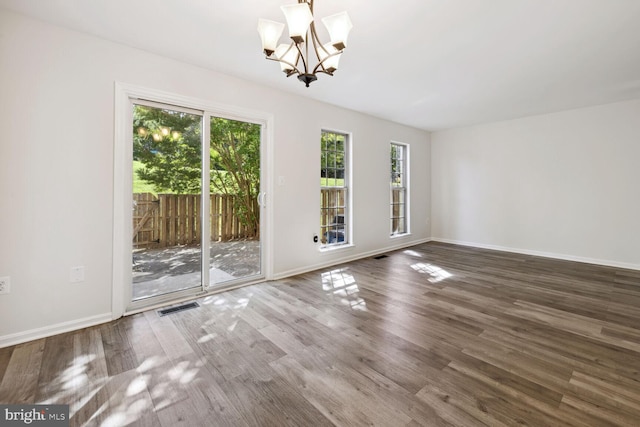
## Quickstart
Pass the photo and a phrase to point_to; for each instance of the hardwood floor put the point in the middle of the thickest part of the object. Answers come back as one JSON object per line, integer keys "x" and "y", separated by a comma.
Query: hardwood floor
{"x": 435, "y": 335}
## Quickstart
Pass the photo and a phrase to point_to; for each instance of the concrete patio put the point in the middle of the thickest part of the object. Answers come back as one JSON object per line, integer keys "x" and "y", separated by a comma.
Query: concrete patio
{"x": 165, "y": 270}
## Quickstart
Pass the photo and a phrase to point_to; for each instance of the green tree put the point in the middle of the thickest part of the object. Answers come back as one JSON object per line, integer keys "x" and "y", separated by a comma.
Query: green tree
{"x": 168, "y": 144}
{"x": 332, "y": 151}
{"x": 235, "y": 150}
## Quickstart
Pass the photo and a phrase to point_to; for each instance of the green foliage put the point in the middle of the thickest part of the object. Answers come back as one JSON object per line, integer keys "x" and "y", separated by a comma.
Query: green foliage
{"x": 168, "y": 145}
{"x": 397, "y": 165}
{"x": 330, "y": 182}
{"x": 235, "y": 152}
{"x": 332, "y": 146}
{"x": 140, "y": 186}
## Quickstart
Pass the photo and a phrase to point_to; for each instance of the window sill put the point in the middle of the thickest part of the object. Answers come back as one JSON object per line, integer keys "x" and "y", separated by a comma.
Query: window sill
{"x": 330, "y": 249}
{"x": 399, "y": 236}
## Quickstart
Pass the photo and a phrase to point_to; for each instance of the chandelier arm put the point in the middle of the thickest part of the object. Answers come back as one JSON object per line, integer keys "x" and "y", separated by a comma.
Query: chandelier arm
{"x": 321, "y": 64}
{"x": 310, "y": 33}
{"x": 303, "y": 57}
{"x": 329, "y": 73}
{"x": 295, "y": 68}
{"x": 316, "y": 45}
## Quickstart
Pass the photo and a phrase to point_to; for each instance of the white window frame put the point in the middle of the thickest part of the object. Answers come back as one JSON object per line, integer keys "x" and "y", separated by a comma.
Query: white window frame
{"x": 346, "y": 234}
{"x": 404, "y": 187}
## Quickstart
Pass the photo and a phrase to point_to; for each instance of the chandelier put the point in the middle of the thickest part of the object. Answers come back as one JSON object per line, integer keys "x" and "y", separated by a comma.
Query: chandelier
{"x": 305, "y": 56}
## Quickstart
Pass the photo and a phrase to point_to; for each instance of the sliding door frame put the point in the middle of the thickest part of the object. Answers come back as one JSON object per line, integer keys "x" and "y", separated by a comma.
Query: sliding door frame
{"x": 125, "y": 96}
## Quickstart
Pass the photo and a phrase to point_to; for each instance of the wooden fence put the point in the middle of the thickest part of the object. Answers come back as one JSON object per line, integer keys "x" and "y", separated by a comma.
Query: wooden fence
{"x": 332, "y": 211}
{"x": 398, "y": 210}
{"x": 174, "y": 219}
{"x": 332, "y": 207}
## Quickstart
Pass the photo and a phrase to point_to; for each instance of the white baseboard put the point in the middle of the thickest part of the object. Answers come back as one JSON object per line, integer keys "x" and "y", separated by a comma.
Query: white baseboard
{"x": 47, "y": 331}
{"x": 563, "y": 257}
{"x": 334, "y": 262}
{"x": 34, "y": 334}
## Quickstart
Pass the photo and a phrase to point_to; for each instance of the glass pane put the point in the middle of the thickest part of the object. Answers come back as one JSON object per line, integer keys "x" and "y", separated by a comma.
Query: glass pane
{"x": 332, "y": 195}
{"x": 331, "y": 142}
{"x": 398, "y": 190}
{"x": 340, "y": 160}
{"x": 166, "y": 201}
{"x": 342, "y": 198}
{"x": 235, "y": 214}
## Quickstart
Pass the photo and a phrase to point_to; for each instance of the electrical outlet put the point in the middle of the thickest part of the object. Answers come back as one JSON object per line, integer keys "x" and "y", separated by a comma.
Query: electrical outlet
{"x": 5, "y": 285}
{"x": 76, "y": 275}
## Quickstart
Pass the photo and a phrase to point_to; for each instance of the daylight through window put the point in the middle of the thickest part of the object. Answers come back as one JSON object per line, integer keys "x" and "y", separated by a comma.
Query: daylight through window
{"x": 399, "y": 155}
{"x": 334, "y": 219}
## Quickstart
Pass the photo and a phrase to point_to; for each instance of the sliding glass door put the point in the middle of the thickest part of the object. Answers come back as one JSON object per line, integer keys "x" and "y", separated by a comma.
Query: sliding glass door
{"x": 234, "y": 242}
{"x": 188, "y": 237}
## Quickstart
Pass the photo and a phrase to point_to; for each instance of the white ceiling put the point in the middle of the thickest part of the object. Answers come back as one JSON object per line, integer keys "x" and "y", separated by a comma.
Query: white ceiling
{"x": 431, "y": 64}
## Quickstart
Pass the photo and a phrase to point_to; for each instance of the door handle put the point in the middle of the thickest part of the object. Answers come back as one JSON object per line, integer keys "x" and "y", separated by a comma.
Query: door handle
{"x": 262, "y": 197}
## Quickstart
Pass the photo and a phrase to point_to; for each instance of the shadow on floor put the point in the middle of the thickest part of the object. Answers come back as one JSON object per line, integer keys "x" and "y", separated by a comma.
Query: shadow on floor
{"x": 160, "y": 271}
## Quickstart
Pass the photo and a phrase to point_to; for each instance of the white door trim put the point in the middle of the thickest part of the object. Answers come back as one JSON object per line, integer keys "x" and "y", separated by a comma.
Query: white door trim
{"x": 122, "y": 182}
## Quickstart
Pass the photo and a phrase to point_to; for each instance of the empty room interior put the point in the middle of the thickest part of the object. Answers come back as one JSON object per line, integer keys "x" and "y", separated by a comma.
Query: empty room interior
{"x": 311, "y": 213}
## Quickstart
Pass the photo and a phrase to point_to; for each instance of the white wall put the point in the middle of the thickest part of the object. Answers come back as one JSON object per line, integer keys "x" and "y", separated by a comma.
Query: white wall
{"x": 56, "y": 169}
{"x": 565, "y": 185}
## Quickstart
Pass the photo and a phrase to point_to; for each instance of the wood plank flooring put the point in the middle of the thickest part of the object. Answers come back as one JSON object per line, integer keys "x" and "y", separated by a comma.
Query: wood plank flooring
{"x": 434, "y": 335}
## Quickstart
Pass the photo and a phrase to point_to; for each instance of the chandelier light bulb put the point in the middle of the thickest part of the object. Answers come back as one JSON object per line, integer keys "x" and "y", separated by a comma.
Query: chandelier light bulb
{"x": 287, "y": 54}
{"x": 330, "y": 57}
{"x": 270, "y": 32}
{"x": 338, "y": 26}
{"x": 298, "y": 19}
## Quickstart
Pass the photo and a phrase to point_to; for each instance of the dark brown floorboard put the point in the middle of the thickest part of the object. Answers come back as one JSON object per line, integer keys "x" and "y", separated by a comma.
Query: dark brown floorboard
{"x": 433, "y": 335}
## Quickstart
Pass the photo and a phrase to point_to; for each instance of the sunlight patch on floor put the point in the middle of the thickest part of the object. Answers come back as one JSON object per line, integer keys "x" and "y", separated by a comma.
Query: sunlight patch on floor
{"x": 138, "y": 385}
{"x": 343, "y": 285}
{"x": 148, "y": 364}
{"x": 224, "y": 303}
{"x": 182, "y": 374}
{"x": 206, "y": 338}
{"x": 437, "y": 274}
{"x": 413, "y": 253}
{"x": 127, "y": 414}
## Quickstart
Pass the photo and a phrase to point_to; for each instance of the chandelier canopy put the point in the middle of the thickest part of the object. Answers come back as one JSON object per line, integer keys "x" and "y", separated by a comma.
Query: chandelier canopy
{"x": 306, "y": 55}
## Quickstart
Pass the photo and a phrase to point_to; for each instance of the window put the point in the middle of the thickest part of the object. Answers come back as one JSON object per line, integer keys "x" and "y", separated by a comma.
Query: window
{"x": 399, "y": 165}
{"x": 334, "y": 220}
